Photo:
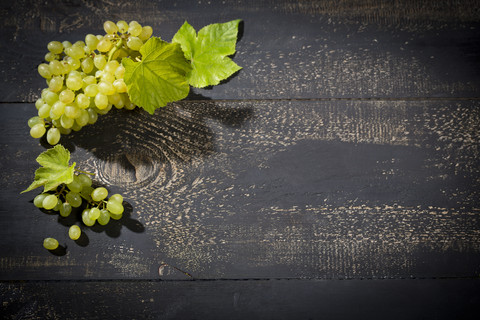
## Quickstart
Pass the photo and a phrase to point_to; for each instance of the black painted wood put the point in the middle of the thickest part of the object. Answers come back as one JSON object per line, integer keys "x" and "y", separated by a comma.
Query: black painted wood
{"x": 346, "y": 148}
{"x": 255, "y": 299}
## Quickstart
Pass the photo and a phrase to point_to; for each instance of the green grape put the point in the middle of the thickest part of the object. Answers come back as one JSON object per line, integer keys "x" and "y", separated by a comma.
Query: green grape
{"x": 115, "y": 216}
{"x": 38, "y": 130}
{"x": 111, "y": 66}
{"x": 86, "y": 219}
{"x": 114, "y": 207}
{"x": 120, "y": 72}
{"x": 106, "y": 88}
{"x": 55, "y": 47}
{"x": 74, "y": 199}
{"x": 146, "y": 33}
{"x": 120, "y": 86}
{"x": 107, "y": 77}
{"x": 53, "y": 136}
{"x": 50, "y": 97}
{"x": 74, "y": 82}
{"x": 92, "y": 116}
{"x": 134, "y": 43}
{"x": 122, "y": 26}
{"x": 86, "y": 193}
{"x": 50, "y": 202}
{"x": 104, "y": 217}
{"x": 82, "y": 101}
{"x": 58, "y": 205}
{"x": 91, "y": 41}
{"x": 65, "y": 209}
{"x": 94, "y": 213}
{"x": 101, "y": 101}
{"x": 66, "y": 96}
{"x": 56, "y": 84}
{"x": 91, "y": 90}
{"x": 74, "y": 232}
{"x": 82, "y": 119}
{"x": 75, "y": 185}
{"x": 44, "y": 111}
{"x": 110, "y": 27}
{"x": 73, "y": 63}
{"x": 38, "y": 200}
{"x": 50, "y": 56}
{"x": 56, "y": 67}
{"x": 116, "y": 197}
{"x": 72, "y": 111}
{"x": 44, "y": 70}
{"x": 99, "y": 194}
{"x": 50, "y": 243}
{"x": 84, "y": 180}
{"x": 35, "y": 120}
{"x": 134, "y": 28}
{"x": 99, "y": 61}
{"x": 66, "y": 122}
{"x": 87, "y": 65}
{"x": 88, "y": 80}
{"x": 39, "y": 102}
{"x": 104, "y": 45}
{"x": 57, "y": 110}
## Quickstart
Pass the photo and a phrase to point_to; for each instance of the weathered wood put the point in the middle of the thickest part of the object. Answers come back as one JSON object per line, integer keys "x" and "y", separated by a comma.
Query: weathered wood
{"x": 288, "y": 49}
{"x": 260, "y": 189}
{"x": 263, "y": 299}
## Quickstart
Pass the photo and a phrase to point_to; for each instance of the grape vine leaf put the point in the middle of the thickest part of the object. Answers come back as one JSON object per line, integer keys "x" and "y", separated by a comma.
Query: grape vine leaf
{"x": 159, "y": 78}
{"x": 54, "y": 169}
{"x": 208, "y": 51}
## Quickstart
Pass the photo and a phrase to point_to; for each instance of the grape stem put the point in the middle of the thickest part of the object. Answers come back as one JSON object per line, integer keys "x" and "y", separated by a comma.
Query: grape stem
{"x": 85, "y": 172}
{"x": 114, "y": 49}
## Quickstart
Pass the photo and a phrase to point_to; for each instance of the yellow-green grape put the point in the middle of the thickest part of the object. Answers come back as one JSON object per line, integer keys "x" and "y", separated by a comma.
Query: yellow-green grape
{"x": 104, "y": 217}
{"x": 50, "y": 201}
{"x": 66, "y": 44}
{"x": 50, "y": 243}
{"x": 38, "y": 200}
{"x": 65, "y": 209}
{"x": 57, "y": 110}
{"x": 120, "y": 86}
{"x": 56, "y": 67}
{"x": 110, "y": 27}
{"x": 76, "y": 51}
{"x": 35, "y": 120}
{"x": 44, "y": 70}
{"x": 91, "y": 41}
{"x": 66, "y": 96}
{"x": 74, "y": 82}
{"x": 88, "y": 80}
{"x": 111, "y": 66}
{"x": 116, "y": 197}
{"x": 87, "y": 65}
{"x": 84, "y": 180}
{"x": 92, "y": 116}
{"x": 50, "y": 57}
{"x": 134, "y": 28}
{"x": 106, "y": 88}
{"x": 50, "y": 97}
{"x": 82, "y": 101}
{"x": 39, "y": 102}
{"x": 116, "y": 216}
{"x": 75, "y": 185}
{"x": 115, "y": 99}
{"x": 146, "y": 33}
{"x": 107, "y": 77}
{"x": 134, "y": 43}
{"x": 99, "y": 194}
{"x": 74, "y": 232}
{"x": 94, "y": 213}
{"x": 44, "y": 111}
{"x": 99, "y": 61}
{"x": 74, "y": 199}
{"x": 91, "y": 90}
{"x": 72, "y": 111}
{"x": 86, "y": 219}
{"x": 73, "y": 63}
{"x": 58, "y": 205}
{"x": 114, "y": 207}
{"x": 38, "y": 130}
{"x": 55, "y": 84}
{"x": 101, "y": 101}
{"x": 122, "y": 26}
{"x": 66, "y": 122}
{"x": 53, "y": 136}
{"x": 104, "y": 45}
{"x": 55, "y": 47}
{"x": 82, "y": 119}
{"x": 120, "y": 72}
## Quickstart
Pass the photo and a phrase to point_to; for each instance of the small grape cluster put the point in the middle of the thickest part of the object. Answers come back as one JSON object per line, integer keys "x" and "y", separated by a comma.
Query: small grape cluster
{"x": 85, "y": 79}
{"x": 80, "y": 194}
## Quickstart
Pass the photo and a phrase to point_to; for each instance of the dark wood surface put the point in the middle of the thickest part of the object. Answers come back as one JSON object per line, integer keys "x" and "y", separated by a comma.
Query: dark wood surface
{"x": 344, "y": 152}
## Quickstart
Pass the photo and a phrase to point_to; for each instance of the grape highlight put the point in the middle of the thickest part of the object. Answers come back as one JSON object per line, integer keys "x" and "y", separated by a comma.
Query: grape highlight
{"x": 85, "y": 79}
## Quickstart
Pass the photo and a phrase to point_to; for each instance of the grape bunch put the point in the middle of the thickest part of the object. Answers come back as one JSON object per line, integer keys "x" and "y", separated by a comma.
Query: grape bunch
{"x": 85, "y": 79}
{"x": 80, "y": 193}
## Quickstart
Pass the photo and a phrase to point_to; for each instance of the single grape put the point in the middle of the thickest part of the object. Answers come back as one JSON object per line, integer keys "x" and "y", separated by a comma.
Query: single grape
{"x": 116, "y": 197}
{"x": 44, "y": 111}
{"x": 114, "y": 207}
{"x": 57, "y": 110}
{"x": 87, "y": 65}
{"x": 75, "y": 185}
{"x": 104, "y": 217}
{"x": 35, "y": 120}
{"x": 84, "y": 180}
{"x": 53, "y": 136}
{"x": 100, "y": 61}
{"x": 99, "y": 194}
{"x": 86, "y": 219}
{"x": 72, "y": 111}
{"x": 50, "y": 56}
{"x": 122, "y": 26}
{"x": 66, "y": 122}
{"x": 74, "y": 82}
{"x": 56, "y": 84}
{"x": 91, "y": 41}
{"x": 107, "y": 77}
{"x": 66, "y": 96}
{"x": 38, "y": 200}
{"x": 65, "y": 209}
{"x": 101, "y": 101}
{"x": 104, "y": 45}
{"x": 73, "y": 63}
{"x": 55, "y": 47}
{"x": 74, "y": 199}
{"x": 120, "y": 86}
{"x": 86, "y": 193}
{"x": 134, "y": 28}
{"x": 74, "y": 232}
{"x": 146, "y": 33}
{"x": 58, "y": 205}
{"x": 92, "y": 116}
{"x": 50, "y": 97}
{"x": 56, "y": 67}
{"x": 38, "y": 130}
{"x": 110, "y": 27}
{"x": 111, "y": 66}
{"x": 82, "y": 119}
{"x": 115, "y": 216}
{"x": 44, "y": 71}
{"x": 50, "y": 202}
{"x": 50, "y": 243}
{"x": 134, "y": 43}
{"x": 94, "y": 213}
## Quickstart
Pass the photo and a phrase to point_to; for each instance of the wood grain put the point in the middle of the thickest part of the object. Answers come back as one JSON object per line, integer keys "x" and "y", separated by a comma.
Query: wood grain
{"x": 262, "y": 189}
{"x": 255, "y": 299}
{"x": 288, "y": 49}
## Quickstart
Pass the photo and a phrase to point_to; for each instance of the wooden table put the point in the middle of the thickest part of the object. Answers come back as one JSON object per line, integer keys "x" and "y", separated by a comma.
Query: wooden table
{"x": 335, "y": 176}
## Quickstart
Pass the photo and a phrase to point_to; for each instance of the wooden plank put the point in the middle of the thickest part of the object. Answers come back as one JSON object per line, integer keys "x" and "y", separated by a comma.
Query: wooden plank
{"x": 261, "y": 299}
{"x": 288, "y": 49}
{"x": 260, "y": 189}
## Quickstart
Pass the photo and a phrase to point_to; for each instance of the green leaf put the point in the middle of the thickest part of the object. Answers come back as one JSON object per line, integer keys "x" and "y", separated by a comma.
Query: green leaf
{"x": 208, "y": 51}
{"x": 55, "y": 169}
{"x": 159, "y": 78}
